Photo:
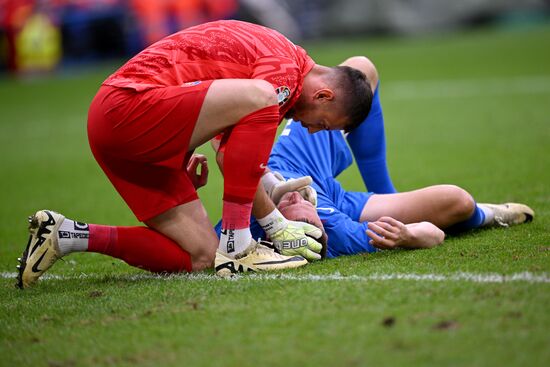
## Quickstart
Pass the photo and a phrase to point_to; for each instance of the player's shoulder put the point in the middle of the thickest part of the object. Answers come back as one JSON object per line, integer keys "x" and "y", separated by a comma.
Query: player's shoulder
{"x": 233, "y": 25}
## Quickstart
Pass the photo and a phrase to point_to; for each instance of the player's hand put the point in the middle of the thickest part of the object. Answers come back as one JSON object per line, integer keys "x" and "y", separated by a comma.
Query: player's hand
{"x": 300, "y": 184}
{"x": 298, "y": 238}
{"x": 388, "y": 233}
{"x": 198, "y": 179}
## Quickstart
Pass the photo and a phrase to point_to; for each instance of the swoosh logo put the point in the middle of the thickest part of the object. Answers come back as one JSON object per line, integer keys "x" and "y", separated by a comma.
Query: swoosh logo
{"x": 330, "y": 210}
{"x": 43, "y": 230}
{"x": 230, "y": 265}
{"x": 35, "y": 266}
{"x": 274, "y": 262}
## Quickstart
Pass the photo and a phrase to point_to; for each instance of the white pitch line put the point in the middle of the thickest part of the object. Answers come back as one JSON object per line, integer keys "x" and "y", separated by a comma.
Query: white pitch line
{"x": 429, "y": 89}
{"x": 526, "y": 277}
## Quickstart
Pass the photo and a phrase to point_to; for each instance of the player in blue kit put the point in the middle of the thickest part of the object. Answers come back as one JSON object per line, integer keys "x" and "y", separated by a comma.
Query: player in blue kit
{"x": 382, "y": 218}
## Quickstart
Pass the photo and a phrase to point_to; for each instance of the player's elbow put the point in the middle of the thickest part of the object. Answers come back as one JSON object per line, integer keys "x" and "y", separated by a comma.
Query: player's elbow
{"x": 425, "y": 235}
{"x": 365, "y": 65}
{"x": 438, "y": 237}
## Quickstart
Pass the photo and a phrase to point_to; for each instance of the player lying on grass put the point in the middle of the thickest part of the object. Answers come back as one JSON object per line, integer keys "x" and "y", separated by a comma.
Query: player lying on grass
{"x": 363, "y": 221}
{"x": 228, "y": 77}
{"x": 357, "y": 222}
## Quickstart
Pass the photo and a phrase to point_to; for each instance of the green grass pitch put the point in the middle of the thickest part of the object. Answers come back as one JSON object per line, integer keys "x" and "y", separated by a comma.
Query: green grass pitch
{"x": 471, "y": 109}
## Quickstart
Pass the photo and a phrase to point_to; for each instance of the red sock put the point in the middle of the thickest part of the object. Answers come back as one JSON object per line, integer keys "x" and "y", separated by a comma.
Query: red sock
{"x": 141, "y": 247}
{"x": 236, "y": 216}
{"x": 245, "y": 159}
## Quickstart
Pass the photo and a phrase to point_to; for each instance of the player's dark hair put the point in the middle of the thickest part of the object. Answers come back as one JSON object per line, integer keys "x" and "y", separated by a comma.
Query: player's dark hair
{"x": 356, "y": 93}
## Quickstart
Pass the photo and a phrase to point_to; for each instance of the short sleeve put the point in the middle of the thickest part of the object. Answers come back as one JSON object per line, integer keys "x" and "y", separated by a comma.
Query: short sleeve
{"x": 284, "y": 75}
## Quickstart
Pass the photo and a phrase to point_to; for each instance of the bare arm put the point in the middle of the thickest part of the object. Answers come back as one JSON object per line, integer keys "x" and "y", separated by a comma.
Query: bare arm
{"x": 388, "y": 233}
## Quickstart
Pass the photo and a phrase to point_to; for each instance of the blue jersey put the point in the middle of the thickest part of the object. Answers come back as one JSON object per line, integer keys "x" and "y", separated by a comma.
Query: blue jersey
{"x": 323, "y": 156}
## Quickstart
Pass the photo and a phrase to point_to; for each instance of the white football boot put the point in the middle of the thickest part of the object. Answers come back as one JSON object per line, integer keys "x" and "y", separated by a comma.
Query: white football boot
{"x": 42, "y": 248}
{"x": 257, "y": 257}
{"x": 509, "y": 214}
{"x": 227, "y": 267}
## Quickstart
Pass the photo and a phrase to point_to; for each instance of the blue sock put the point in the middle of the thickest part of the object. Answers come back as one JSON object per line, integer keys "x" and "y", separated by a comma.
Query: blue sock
{"x": 368, "y": 144}
{"x": 475, "y": 221}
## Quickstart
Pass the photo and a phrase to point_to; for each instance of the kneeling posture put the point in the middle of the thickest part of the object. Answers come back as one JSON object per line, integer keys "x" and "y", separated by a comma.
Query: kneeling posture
{"x": 226, "y": 77}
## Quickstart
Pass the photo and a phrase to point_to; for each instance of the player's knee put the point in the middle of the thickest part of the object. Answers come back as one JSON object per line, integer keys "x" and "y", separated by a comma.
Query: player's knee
{"x": 261, "y": 95}
{"x": 463, "y": 203}
{"x": 364, "y": 64}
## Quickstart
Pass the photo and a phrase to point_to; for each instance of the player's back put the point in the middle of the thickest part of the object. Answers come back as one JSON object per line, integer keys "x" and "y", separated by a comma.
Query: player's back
{"x": 322, "y": 155}
{"x": 215, "y": 50}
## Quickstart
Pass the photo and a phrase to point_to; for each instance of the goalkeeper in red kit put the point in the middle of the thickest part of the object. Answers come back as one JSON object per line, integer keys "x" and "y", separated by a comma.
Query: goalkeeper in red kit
{"x": 227, "y": 79}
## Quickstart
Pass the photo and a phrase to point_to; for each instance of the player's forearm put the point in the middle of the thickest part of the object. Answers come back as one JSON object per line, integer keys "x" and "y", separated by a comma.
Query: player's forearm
{"x": 423, "y": 235}
{"x": 262, "y": 205}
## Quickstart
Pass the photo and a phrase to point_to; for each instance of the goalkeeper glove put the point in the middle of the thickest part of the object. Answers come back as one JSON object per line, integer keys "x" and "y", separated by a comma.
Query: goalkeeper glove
{"x": 292, "y": 238}
{"x": 276, "y": 186}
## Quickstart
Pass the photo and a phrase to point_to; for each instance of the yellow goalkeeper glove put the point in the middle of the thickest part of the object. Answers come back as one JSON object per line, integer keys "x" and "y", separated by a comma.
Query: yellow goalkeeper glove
{"x": 292, "y": 238}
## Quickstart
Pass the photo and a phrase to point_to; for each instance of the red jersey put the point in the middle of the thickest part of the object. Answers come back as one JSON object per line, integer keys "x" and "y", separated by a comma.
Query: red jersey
{"x": 225, "y": 49}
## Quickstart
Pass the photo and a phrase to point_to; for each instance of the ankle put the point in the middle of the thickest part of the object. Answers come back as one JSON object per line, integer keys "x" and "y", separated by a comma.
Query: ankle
{"x": 73, "y": 236}
{"x": 234, "y": 241}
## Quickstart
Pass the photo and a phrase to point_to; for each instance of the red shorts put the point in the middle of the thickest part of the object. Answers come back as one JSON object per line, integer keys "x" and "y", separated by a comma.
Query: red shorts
{"x": 141, "y": 141}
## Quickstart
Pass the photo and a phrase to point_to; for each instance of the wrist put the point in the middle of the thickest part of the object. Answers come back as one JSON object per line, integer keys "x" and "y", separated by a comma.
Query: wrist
{"x": 268, "y": 181}
{"x": 273, "y": 222}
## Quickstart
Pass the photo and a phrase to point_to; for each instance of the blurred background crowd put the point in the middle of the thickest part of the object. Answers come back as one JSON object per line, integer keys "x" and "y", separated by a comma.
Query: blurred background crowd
{"x": 40, "y": 35}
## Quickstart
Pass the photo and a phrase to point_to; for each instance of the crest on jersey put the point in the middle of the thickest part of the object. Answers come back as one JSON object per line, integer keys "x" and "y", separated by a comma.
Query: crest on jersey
{"x": 191, "y": 84}
{"x": 283, "y": 94}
